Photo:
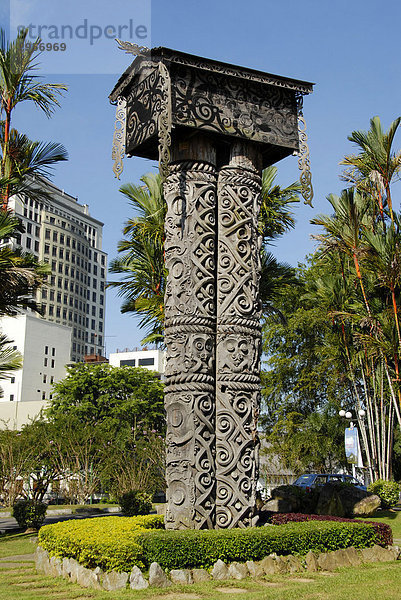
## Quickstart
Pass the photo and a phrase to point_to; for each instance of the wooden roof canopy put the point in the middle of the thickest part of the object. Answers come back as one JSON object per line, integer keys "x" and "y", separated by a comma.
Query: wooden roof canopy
{"x": 223, "y": 100}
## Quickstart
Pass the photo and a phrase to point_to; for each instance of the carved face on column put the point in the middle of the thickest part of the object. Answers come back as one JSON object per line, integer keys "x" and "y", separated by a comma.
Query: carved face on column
{"x": 237, "y": 355}
{"x": 189, "y": 353}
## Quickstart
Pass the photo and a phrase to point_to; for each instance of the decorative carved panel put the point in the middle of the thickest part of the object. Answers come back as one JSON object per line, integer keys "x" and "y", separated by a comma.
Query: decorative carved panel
{"x": 237, "y": 347}
{"x": 190, "y": 302}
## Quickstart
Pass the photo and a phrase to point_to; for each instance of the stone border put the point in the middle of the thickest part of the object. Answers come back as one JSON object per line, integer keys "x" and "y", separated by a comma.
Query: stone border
{"x": 70, "y": 569}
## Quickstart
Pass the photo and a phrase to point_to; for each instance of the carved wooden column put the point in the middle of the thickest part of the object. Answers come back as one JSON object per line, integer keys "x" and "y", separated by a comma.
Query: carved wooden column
{"x": 202, "y": 118}
{"x": 190, "y": 321}
{"x": 238, "y": 337}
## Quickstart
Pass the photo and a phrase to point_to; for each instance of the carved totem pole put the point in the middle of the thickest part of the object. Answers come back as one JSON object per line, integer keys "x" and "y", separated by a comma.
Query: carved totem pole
{"x": 213, "y": 127}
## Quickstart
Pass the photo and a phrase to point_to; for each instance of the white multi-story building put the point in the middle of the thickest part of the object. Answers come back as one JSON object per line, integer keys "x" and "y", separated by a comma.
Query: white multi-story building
{"x": 153, "y": 360}
{"x": 45, "y": 347}
{"x": 61, "y": 232}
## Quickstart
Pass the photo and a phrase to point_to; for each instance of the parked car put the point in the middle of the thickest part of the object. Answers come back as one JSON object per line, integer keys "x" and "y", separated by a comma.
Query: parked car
{"x": 313, "y": 480}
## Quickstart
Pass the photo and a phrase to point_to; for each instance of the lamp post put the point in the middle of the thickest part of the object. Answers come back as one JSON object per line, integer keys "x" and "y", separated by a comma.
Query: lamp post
{"x": 353, "y": 438}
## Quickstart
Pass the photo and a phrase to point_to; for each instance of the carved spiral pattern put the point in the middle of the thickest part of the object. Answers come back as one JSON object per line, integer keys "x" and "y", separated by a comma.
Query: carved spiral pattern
{"x": 237, "y": 346}
{"x": 190, "y": 191}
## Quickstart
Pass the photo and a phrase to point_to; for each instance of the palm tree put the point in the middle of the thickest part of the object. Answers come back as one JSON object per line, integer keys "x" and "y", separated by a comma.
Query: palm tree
{"x": 376, "y": 165}
{"x": 142, "y": 262}
{"x": 26, "y": 160}
{"x": 20, "y": 272}
{"x": 343, "y": 230}
{"x": 18, "y": 83}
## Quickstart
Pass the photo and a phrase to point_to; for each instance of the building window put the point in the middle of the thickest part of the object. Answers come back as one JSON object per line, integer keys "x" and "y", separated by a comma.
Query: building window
{"x": 43, "y": 395}
{"x": 36, "y": 246}
{"x": 12, "y": 380}
{"x": 93, "y": 296}
{"x": 51, "y": 378}
{"x": 45, "y": 362}
{"x": 101, "y": 313}
{"x": 44, "y": 293}
{"x": 46, "y": 349}
{"x": 47, "y": 234}
{"x": 37, "y": 231}
{"x": 28, "y": 242}
{"x": 11, "y": 397}
{"x": 53, "y": 352}
{"x": 54, "y": 236}
{"x": 94, "y": 284}
{"x": 93, "y": 311}
{"x": 142, "y": 362}
{"x": 93, "y": 324}
{"x": 51, "y": 310}
{"x": 127, "y": 363}
{"x": 52, "y": 364}
{"x": 51, "y": 294}
{"x": 47, "y": 249}
{"x": 101, "y": 299}
{"x": 54, "y": 251}
{"x": 44, "y": 378}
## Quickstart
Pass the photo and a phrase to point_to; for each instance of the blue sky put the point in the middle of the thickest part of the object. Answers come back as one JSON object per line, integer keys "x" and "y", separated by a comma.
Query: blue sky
{"x": 350, "y": 49}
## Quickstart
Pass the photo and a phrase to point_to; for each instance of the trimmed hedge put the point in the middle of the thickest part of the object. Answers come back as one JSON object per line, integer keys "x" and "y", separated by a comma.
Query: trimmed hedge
{"x": 110, "y": 543}
{"x": 193, "y": 549}
{"x": 29, "y": 513}
{"x": 384, "y": 534}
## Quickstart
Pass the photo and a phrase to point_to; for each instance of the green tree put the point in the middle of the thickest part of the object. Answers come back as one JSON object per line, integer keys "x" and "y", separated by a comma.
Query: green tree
{"x": 125, "y": 398}
{"x": 19, "y": 83}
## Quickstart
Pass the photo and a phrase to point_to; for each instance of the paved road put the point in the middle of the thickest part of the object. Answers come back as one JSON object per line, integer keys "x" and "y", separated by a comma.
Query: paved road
{"x": 9, "y": 523}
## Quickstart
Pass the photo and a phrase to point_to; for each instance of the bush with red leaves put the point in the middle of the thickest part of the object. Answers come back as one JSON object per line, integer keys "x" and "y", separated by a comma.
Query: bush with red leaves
{"x": 384, "y": 534}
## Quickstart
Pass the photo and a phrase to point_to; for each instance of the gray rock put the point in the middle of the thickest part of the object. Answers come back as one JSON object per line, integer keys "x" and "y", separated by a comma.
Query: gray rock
{"x": 311, "y": 562}
{"x": 353, "y": 556}
{"x": 327, "y": 561}
{"x": 238, "y": 570}
{"x": 255, "y": 569}
{"x": 157, "y": 577}
{"x": 183, "y": 576}
{"x": 294, "y": 564}
{"x": 220, "y": 570}
{"x": 342, "y": 558}
{"x": 281, "y": 564}
{"x": 199, "y": 575}
{"x": 395, "y": 551}
{"x": 136, "y": 579}
{"x": 377, "y": 554}
{"x": 115, "y": 581}
{"x": 56, "y": 569}
{"x": 343, "y": 500}
{"x": 74, "y": 568}
{"x": 88, "y": 578}
{"x": 42, "y": 562}
{"x": 268, "y": 564}
{"x": 366, "y": 506}
{"x": 66, "y": 568}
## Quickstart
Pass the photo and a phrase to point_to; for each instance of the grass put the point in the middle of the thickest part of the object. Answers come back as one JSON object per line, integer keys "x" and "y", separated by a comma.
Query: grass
{"x": 391, "y": 517}
{"x": 370, "y": 581}
{"x": 20, "y": 543}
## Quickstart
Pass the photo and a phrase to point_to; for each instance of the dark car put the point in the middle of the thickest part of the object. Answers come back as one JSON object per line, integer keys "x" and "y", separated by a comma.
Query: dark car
{"x": 312, "y": 480}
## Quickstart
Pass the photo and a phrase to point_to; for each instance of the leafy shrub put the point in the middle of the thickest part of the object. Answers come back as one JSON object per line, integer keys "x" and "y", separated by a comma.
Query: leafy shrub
{"x": 192, "y": 548}
{"x": 384, "y": 534}
{"x": 110, "y": 543}
{"x": 135, "y": 503}
{"x": 388, "y": 492}
{"x": 29, "y": 513}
